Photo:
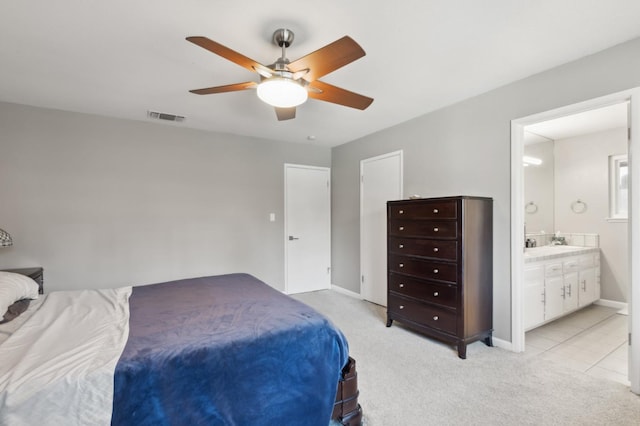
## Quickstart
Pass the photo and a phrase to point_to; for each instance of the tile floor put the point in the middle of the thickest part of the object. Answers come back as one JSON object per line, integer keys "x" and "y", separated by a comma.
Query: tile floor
{"x": 592, "y": 340}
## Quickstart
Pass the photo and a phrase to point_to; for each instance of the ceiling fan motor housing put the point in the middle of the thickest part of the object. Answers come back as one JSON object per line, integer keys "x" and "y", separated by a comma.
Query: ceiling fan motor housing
{"x": 283, "y": 37}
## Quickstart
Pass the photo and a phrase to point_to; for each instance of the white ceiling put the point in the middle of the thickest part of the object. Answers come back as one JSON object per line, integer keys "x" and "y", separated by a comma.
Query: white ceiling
{"x": 121, "y": 58}
{"x": 591, "y": 121}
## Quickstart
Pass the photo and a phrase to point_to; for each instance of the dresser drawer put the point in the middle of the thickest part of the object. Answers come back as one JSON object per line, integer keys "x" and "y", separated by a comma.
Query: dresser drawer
{"x": 430, "y": 270}
{"x": 421, "y": 313}
{"x": 437, "y": 249}
{"x": 427, "y": 210}
{"x": 441, "y": 294}
{"x": 423, "y": 228}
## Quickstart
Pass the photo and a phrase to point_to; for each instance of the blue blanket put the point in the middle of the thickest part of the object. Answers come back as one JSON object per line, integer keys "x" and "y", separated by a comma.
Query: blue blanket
{"x": 226, "y": 350}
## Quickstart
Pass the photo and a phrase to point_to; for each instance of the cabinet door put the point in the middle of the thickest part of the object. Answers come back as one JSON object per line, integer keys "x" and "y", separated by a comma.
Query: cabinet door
{"x": 533, "y": 304}
{"x": 588, "y": 286}
{"x": 570, "y": 302}
{"x": 554, "y": 297}
{"x": 533, "y": 296}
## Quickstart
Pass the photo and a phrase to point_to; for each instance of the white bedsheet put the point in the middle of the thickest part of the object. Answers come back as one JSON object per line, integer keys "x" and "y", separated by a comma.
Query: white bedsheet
{"x": 58, "y": 367}
{"x": 8, "y": 328}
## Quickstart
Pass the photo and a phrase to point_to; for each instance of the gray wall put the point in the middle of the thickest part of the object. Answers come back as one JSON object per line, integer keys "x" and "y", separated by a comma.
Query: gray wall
{"x": 582, "y": 172}
{"x": 102, "y": 202}
{"x": 464, "y": 149}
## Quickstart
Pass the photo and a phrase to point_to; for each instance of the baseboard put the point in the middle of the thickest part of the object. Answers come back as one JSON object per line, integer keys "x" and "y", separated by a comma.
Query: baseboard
{"x": 622, "y": 306}
{"x": 346, "y": 292}
{"x": 502, "y": 344}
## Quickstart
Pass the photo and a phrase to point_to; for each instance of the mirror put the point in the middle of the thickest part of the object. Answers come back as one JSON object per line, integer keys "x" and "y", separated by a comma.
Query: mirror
{"x": 539, "y": 185}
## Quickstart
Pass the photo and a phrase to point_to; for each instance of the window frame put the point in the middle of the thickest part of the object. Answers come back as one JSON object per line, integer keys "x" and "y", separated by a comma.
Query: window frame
{"x": 616, "y": 187}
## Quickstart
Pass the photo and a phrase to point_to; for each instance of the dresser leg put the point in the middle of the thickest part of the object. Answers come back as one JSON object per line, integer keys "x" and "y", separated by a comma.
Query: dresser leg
{"x": 462, "y": 350}
{"x": 488, "y": 341}
{"x": 389, "y": 322}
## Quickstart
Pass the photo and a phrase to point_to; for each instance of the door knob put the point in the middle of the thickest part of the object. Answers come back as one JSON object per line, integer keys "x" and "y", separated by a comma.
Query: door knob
{"x": 291, "y": 238}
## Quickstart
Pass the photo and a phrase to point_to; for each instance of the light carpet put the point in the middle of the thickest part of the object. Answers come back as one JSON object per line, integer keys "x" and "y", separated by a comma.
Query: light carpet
{"x": 408, "y": 379}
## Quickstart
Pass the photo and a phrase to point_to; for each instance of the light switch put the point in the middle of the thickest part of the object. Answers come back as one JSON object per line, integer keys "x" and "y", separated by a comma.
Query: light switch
{"x": 272, "y": 217}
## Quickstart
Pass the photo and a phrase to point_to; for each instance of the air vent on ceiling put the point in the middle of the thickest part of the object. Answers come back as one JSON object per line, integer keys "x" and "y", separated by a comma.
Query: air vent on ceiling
{"x": 164, "y": 116}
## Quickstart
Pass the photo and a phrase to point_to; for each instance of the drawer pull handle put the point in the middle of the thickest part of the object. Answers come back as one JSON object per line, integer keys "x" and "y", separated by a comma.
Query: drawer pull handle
{"x": 436, "y": 294}
{"x": 435, "y": 211}
{"x": 401, "y": 212}
{"x": 435, "y": 229}
{"x": 436, "y": 249}
{"x": 401, "y": 228}
{"x": 401, "y": 265}
{"x": 401, "y": 285}
{"x": 436, "y": 318}
{"x": 435, "y": 271}
{"x": 400, "y": 245}
{"x": 401, "y": 306}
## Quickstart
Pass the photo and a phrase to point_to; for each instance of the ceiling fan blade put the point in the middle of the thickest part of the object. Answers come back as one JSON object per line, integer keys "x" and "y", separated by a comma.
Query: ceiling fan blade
{"x": 286, "y": 113}
{"x": 229, "y": 54}
{"x": 327, "y": 59}
{"x": 329, "y": 93}
{"x": 228, "y": 88}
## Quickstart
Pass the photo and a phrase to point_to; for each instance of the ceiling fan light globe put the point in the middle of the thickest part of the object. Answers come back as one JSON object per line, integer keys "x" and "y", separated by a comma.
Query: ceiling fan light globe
{"x": 282, "y": 92}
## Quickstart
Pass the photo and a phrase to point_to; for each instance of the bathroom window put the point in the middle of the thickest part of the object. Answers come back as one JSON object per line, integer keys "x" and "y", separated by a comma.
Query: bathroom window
{"x": 618, "y": 187}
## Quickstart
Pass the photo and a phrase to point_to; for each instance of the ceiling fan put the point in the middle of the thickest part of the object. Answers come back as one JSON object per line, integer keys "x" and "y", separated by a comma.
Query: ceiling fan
{"x": 286, "y": 84}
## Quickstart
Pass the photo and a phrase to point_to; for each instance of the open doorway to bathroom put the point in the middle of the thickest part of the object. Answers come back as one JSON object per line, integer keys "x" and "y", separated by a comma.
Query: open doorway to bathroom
{"x": 576, "y": 261}
{"x": 571, "y": 207}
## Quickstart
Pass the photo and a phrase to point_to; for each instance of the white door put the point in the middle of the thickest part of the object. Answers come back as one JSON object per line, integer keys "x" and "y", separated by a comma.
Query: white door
{"x": 307, "y": 228}
{"x": 380, "y": 181}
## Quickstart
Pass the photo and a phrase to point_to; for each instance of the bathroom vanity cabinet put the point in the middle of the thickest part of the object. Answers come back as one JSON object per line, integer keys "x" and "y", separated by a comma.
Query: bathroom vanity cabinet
{"x": 558, "y": 283}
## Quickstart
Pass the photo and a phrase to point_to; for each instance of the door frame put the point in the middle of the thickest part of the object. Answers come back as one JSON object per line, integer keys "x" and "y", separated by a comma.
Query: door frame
{"x": 399, "y": 153}
{"x": 517, "y": 218}
{"x": 286, "y": 220}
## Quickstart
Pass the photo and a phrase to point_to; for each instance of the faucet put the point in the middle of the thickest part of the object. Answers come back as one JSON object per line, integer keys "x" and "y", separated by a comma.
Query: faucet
{"x": 557, "y": 240}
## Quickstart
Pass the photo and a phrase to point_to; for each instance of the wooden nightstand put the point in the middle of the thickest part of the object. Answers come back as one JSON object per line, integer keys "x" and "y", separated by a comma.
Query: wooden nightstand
{"x": 35, "y": 274}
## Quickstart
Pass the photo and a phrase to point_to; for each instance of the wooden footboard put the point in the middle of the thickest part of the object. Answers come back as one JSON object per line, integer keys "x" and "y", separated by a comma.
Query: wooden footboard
{"x": 346, "y": 409}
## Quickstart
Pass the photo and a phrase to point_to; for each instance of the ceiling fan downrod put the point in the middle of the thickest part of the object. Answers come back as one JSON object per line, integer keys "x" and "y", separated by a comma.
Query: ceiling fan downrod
{"x": 283, "y": 38}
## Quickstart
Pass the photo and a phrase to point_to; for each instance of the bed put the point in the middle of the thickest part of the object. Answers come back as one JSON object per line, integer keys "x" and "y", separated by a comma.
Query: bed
{"x": 219, "y": 350}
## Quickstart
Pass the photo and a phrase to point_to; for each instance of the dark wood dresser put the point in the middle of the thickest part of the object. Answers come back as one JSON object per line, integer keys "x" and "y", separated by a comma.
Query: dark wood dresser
{"x": 440, "y": 268}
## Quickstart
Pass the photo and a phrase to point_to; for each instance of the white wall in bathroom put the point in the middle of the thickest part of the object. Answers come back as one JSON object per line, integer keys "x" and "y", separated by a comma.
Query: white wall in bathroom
{"x": 582, "y": 172}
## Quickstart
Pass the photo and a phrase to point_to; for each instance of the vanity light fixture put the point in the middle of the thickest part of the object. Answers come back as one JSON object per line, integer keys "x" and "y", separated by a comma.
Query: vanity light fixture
{"x": 531, "y": 161}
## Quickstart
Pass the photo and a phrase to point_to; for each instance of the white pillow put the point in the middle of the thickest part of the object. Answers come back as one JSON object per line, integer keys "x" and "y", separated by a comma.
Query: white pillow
{"x": 14, "y": 287}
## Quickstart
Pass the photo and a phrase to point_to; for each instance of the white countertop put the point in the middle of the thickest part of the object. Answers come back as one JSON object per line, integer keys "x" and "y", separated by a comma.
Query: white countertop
{"x": 536, "y": 254}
